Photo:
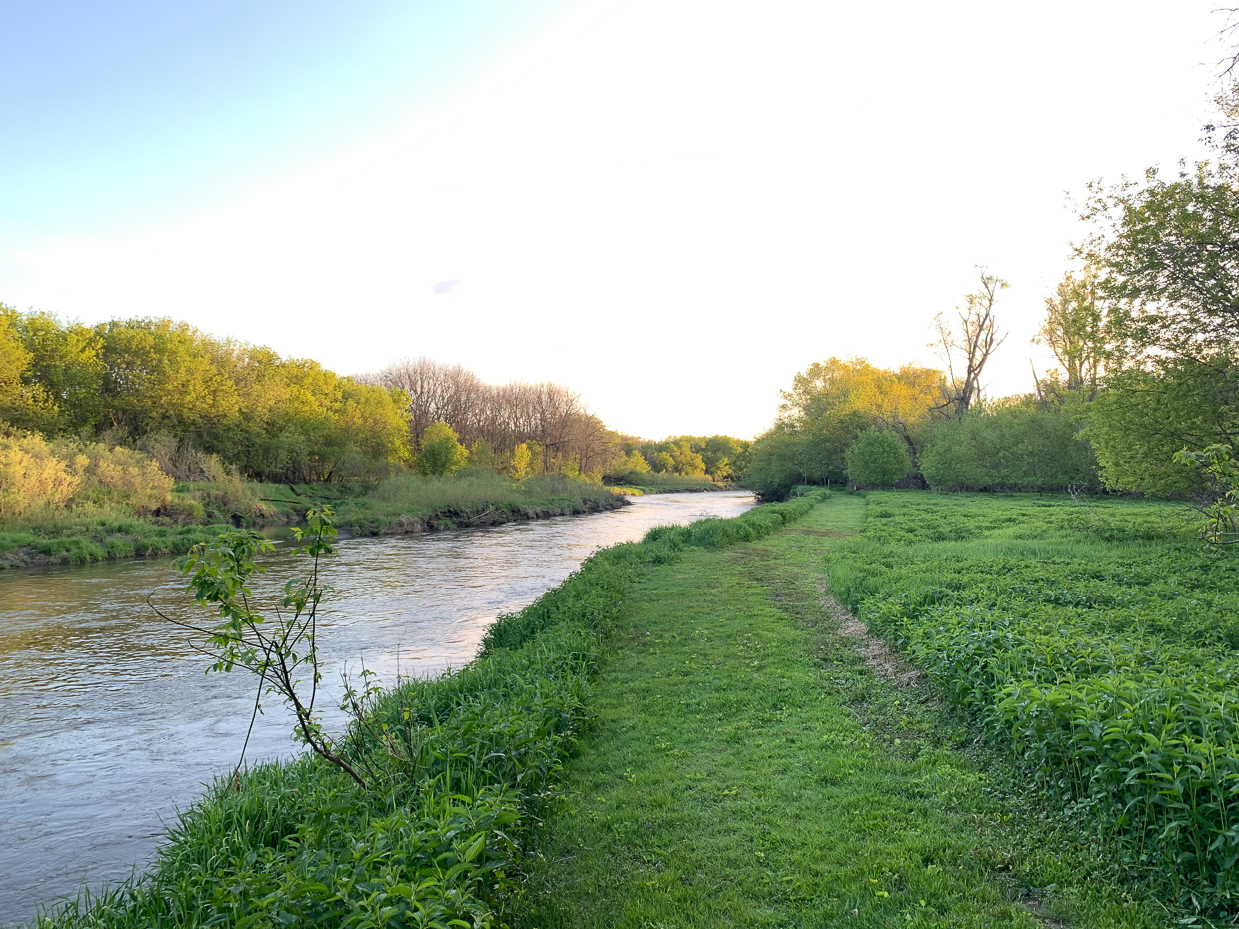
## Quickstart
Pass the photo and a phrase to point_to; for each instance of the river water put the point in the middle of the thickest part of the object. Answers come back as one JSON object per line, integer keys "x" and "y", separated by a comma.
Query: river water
{"x": 108, "y": 723}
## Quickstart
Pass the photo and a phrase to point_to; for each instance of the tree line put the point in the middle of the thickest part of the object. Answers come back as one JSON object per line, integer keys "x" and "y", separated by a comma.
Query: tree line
{"x": 110, "y": 415}
{"x": 179, "y": 394}
{"x": 539, "y": 428}
{"x": 1145, "y": 394}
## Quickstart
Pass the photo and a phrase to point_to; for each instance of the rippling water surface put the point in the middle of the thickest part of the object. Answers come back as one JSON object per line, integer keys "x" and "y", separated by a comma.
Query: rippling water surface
{"x": 108, "y": 723}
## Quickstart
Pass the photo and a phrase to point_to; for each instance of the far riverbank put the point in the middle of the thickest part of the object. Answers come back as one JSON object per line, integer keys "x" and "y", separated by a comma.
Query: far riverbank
{"x": 401, "y": 505}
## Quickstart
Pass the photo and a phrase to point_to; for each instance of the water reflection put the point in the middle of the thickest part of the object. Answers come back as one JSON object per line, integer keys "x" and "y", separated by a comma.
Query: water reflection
{"x": 108, "y": 723}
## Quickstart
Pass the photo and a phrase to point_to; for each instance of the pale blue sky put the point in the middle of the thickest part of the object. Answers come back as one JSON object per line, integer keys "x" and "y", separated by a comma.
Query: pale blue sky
{"x": 669, "y": 205}
{"x": 116, "y": 114}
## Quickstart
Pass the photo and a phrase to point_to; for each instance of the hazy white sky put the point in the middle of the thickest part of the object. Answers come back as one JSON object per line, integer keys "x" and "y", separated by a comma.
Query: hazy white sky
{"x": 669, "y": 206}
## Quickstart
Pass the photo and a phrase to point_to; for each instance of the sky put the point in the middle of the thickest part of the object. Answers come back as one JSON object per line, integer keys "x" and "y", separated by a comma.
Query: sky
{"x": 670, "y": 206}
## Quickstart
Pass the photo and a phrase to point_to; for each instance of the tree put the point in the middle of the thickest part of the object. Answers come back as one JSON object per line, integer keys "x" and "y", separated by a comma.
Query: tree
{"x": 833, "y": 402}
{"x": 1167, "y": 252}
{"x": 441, "y": 452}
{"x": 521, "y": 460}
{"x": 878, "y": 458}
{"x": 1074, "y": 330}
{"x": 967, "y": 345}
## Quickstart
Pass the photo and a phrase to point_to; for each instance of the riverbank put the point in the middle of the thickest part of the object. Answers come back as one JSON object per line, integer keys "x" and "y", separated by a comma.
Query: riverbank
{"x": 455, "y": 763}
{"x": 688, "y": 487}
{"x": 399, "y": 505}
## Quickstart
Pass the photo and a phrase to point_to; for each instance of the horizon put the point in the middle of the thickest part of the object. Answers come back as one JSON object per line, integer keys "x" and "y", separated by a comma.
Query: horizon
{"x": 729, "y": 197}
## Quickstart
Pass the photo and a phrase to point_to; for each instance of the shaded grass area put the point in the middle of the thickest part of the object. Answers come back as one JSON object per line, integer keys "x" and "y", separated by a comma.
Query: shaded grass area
{"x": 746, "y": 767}
{"x": 454, "y": 765}
{"x": 1097, "y": 643}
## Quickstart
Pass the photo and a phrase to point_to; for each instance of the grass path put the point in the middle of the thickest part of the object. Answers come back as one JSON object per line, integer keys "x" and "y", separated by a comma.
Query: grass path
{"x": 746, "y": 767}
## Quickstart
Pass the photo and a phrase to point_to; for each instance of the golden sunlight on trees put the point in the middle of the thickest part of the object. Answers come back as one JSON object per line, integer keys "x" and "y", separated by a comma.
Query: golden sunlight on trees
{"x": 1074, "y": 330}
{"x": 33, "y": 480}
{"x": 521, "y": 462}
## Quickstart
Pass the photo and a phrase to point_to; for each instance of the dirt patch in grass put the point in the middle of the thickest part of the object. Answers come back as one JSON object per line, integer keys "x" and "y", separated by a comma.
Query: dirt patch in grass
{"x": 883, "y": 659}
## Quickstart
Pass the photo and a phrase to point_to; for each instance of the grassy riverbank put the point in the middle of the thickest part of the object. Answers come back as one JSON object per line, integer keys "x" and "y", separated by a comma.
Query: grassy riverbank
{"x": 659, "y": 483}
{"x": 755, "y": 760}
{"x": 455, "y": 767}
{"x": 402, "y": 504}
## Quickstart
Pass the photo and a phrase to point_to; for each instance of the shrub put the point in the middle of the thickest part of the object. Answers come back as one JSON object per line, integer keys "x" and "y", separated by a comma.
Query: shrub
{"x": 119, "y": 475}
{"x": 33, "y": 479}
{"x": 878, "y": 458}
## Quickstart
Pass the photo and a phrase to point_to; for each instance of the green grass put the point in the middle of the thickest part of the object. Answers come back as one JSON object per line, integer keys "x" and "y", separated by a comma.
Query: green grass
{"x": 84, "y": 541}
{"x": 413, "y": 503}
{"x": 659, "y": 483}
{"x": 746, "y": 767}
{"x": 405, "y": 503}
{"x": 1096, "y": 643}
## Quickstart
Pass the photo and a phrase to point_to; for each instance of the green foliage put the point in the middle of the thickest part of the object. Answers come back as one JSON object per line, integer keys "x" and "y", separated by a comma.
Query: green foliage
{"x": 279, "y": 648}
{"x": 1147, "y": 414}
{"x": 1015, "y": 447}
{"x": 521, "y": 462}
{"x": 415, "y": 502}
{"x": 118, "y": 477}
{"x": 1074, "y": 330}
{"x": 122, "y": 381}
{"x": 716, "y": 458}
{"x": 1095, "y": 644}
{"x": 786, "y": 456}
{"x": 878, "y": 458}
{"x": 1164, "y": 250}
{"x": 1217, "y": 464}
{"x": 435, "y": 842}
{"x": 441, "y": 453}
{"x": 830, "y": 404}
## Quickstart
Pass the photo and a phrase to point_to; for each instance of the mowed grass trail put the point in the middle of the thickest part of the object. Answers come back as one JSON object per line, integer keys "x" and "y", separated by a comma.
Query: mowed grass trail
{"x": 747, "y": 767}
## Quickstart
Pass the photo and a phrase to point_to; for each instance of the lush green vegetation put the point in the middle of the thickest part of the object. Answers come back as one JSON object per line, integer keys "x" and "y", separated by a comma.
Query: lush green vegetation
{"x": 749, "y": 767}
{"x": 1098, "y": 642}
{"x": 477, "y": 497}
{"x": 435, "y": 838}
{"x": 175, "y": 392}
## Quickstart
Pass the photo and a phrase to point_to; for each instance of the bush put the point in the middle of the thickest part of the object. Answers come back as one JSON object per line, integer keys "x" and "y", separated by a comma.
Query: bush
{"x": 1015, "y": 448}
{"x": 118, "y": 475}
{"x": 878, "y": 458}
{"x": 33, "y": 479}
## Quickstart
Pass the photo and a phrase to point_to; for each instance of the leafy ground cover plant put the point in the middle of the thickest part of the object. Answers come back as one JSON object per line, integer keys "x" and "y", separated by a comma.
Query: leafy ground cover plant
{"x": 1099, "y": 645}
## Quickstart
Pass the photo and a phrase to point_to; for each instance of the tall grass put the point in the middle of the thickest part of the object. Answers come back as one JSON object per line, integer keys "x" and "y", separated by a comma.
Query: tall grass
{"x": 1100, "y": 645}
{"x": 464, "y": 755}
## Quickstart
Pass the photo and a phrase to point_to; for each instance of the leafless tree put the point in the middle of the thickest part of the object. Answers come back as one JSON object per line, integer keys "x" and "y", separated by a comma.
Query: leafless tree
{"x": 966, "y": 345}
{"x": 504, "y": 415}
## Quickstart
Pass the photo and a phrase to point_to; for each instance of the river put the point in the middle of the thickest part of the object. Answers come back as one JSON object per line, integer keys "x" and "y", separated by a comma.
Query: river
{"x": 108, "y": 723}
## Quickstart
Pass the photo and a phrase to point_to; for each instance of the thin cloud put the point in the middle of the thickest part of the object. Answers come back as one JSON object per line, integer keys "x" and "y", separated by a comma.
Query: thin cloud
{"x": 446, "y": 287}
